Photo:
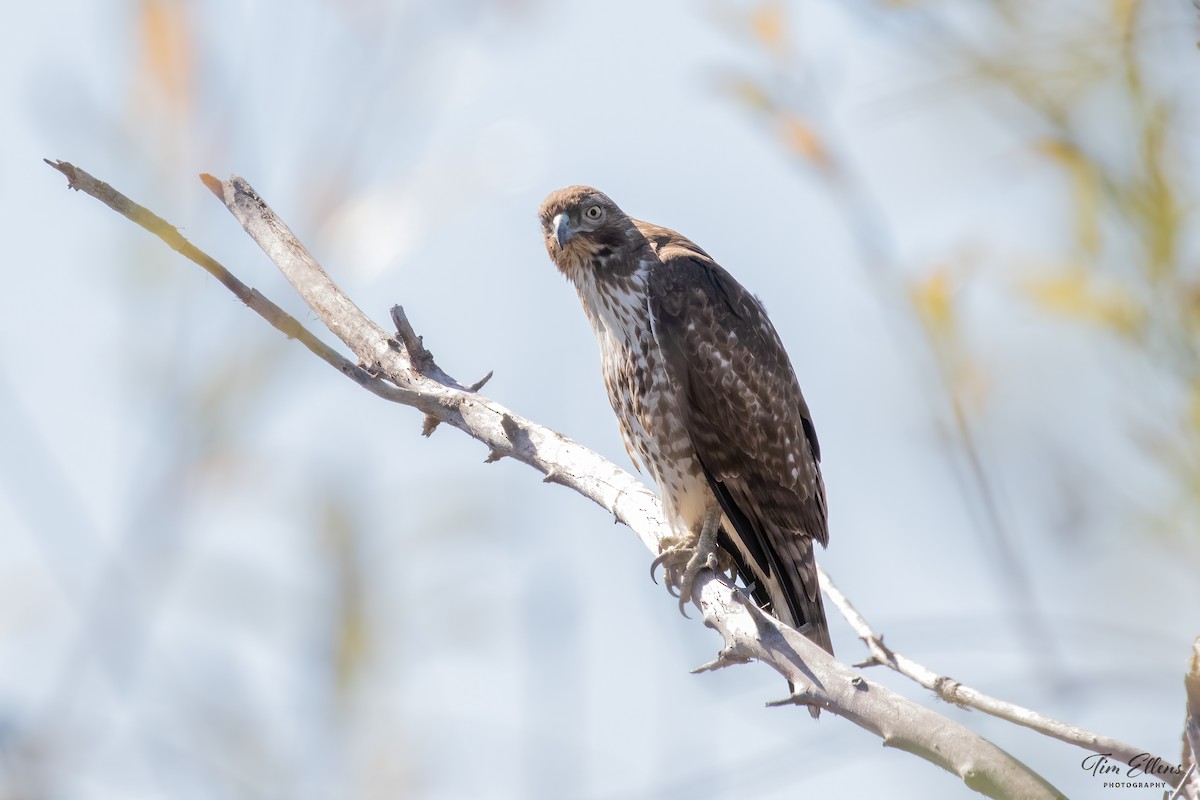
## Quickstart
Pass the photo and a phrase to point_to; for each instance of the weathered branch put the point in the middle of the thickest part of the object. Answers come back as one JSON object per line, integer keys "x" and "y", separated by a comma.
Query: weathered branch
{"x": 748, "y": 633}
{"x": 952, "y": 691}
{"x": 282, "y": 321}
{"x": 1190, "y": 786}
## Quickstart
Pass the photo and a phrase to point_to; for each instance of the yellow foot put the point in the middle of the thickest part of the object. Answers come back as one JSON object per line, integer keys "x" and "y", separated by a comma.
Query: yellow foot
{"x": 682, "y": 558}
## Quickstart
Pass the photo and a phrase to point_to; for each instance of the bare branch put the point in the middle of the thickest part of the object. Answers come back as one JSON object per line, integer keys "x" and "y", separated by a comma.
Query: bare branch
{"x": 1190, "y": 786}
{"x": 952, "y": 691}
{"x": 81, "y": 181}
{"x": 819, "y": 681}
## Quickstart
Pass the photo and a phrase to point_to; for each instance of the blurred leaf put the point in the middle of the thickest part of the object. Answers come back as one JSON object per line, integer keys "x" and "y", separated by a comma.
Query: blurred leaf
{"x": 932, "y": 297}
{"x": 1194, "y": 405}
{"x": 1124, "y": 14}
{"x": 1190, "y": 304}
{"x": 166, "y": 50}
{"x": 352, "y": 633}
{"x": 803, "y": 140}
{"x": 1075, "y": 294}
{"x": 748, "y": 92}
{"x": 769, "y": 23}
{"x": 1085, "y": 180}
{"x": 1152, "y": 198}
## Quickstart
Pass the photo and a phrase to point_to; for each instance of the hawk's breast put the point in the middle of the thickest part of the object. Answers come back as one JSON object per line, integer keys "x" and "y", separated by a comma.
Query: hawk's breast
{"x": 642, "y": 394}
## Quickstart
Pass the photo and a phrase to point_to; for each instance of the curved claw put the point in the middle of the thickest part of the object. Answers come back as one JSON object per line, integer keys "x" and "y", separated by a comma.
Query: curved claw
{"x": 687, "y": 585}
{"x": 682, "y": 558}
{"x": 655, "y": 564}
{"x": 687, "y": 582}
{"x": 669, "y": 571}
{"x": 680, "y": 565}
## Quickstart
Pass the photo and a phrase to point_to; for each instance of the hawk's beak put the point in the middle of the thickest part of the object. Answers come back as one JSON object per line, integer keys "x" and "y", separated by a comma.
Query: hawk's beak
{"x": 563, "y": 232}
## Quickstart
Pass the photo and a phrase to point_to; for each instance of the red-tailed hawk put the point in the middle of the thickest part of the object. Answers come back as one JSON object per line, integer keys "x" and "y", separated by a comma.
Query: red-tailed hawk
{"x": 707, "y": 401}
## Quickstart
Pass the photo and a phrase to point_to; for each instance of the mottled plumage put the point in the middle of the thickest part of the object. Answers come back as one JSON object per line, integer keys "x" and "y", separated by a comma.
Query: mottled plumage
{"x": 705, "y": 394}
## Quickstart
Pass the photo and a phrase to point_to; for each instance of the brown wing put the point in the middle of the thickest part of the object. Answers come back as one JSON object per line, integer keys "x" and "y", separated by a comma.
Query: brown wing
{"x": 748, "y": 423}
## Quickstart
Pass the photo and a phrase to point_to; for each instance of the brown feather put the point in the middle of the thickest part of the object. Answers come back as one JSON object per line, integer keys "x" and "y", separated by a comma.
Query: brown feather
{"x": 747, "y": 420}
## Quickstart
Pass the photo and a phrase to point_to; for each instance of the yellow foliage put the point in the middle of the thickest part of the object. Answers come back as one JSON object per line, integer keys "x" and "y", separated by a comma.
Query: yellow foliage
{"x": 1075, "y": 294}
{"x": 1124, "y": 14}
{"x": 166, "y": 50}
{"x": 1151, "y": 200}
{"x": 1086, "y": 185}
{"x": 1190, "y": 295}
{"x": 933, "y": 296}
{"x": 751, "y": 93}
{"x": 352, "y": 648}
{"x": 801, "y": 139}
{"x": 769, "y": 23}
{"x": 933, "y": 299}
{"x": 351, "y": 645}
{"x": 1194, "y": 405}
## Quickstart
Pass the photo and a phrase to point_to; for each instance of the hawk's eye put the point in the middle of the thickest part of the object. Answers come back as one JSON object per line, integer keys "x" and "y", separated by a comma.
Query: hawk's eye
{"x": 593, "y": 212}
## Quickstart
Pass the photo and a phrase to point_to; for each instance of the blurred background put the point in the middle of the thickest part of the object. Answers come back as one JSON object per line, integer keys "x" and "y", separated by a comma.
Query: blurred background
{"x": 227, "y": 572}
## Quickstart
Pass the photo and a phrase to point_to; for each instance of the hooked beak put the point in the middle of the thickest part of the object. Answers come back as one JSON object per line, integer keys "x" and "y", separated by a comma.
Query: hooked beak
{"x": 563, "y": 232}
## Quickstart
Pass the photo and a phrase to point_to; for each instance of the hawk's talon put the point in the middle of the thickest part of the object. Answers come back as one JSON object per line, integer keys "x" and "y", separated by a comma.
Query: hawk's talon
{"x": 697, "y": 562}
{"x": 682, "y": 558}
{"x": 659, "y": 562}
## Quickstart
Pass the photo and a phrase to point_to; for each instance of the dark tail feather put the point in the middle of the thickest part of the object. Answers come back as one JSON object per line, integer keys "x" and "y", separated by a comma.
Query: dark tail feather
{"x": 806, "y": 597}
{"x": 779, "y": 564}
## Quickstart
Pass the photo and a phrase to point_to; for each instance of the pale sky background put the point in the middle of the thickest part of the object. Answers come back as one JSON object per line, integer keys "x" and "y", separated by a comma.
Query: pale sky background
{"x": 172, "y": 601}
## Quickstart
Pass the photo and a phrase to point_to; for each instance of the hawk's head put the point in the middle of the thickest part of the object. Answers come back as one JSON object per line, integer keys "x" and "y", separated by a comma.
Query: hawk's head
{"x": 584, "y": 230}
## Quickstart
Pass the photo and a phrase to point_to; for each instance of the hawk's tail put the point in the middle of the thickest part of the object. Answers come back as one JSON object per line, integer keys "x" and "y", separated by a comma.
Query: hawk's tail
{"x": 785, "y": 583}
{"x": 778, "y": 563}
{"x": 804, "y": 601}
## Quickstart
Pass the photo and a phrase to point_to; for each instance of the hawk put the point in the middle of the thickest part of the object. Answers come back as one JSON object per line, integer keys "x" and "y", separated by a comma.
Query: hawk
{"x": 707, "y": 402}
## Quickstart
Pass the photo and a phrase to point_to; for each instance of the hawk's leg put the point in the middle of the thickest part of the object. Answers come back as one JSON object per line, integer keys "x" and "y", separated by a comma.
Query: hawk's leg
{"x": 682, "y": 560}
